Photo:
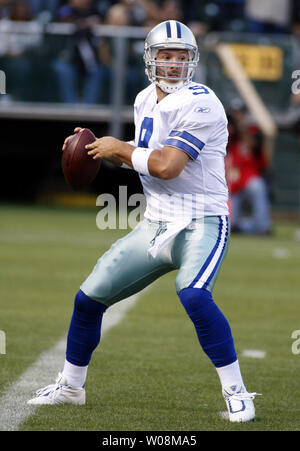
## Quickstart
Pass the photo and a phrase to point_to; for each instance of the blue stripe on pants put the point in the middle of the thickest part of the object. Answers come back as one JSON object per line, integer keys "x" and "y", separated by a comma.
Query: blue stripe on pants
{"x": 211, "y": 264}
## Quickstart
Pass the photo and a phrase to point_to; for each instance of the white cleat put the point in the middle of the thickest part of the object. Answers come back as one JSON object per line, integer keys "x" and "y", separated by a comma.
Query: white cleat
{"x": 59, "y": 393}
{"x": 239, "y": 403}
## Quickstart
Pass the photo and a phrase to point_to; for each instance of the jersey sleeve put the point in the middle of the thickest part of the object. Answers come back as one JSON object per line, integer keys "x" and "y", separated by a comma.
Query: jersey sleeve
{"x": 193, "y": 129}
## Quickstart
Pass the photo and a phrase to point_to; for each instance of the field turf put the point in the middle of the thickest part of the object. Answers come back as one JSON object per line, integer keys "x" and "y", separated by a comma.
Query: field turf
{"x": 149, "y": 373}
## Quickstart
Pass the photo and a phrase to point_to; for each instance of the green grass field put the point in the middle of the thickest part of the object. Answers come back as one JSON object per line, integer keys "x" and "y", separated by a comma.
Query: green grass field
{"x": 149, "y": 373}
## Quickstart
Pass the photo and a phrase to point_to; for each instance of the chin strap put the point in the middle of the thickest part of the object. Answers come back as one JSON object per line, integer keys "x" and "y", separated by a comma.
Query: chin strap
{"x": 168, "y": 87}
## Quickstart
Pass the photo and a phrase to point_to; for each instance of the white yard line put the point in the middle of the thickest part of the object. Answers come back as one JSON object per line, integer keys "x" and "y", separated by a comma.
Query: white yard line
{"x": 254, "y": 353}
{"x": 14, "y": 409}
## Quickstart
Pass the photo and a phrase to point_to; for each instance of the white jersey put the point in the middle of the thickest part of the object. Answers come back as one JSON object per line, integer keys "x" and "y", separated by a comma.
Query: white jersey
{"x": 193, "y": 120}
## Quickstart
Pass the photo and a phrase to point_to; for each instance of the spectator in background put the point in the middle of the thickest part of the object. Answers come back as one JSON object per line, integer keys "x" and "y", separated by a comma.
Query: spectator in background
{"x": 16, "y": 50}
{"x": 268, "y": 16}
{"x": 44, "y": 10}
{"x": 232, "y": 14}
{"x": 21, "y": 11}
{"x": 36, "y": 7}
{"x": 80, "y": 60}
{"x": 295, "y": 17}
{"x": 246, "y": 163}
{"x": 141, "y": 11}
{"x": 191, "y": 13}
{"x": 119, "y": 15}
{"x": 206, "y": 15}
{"x": 5, "y": 8}
{"x": 103, "y": 6}
{"x": 171, "y": 9}
{"x": 91, "y": 59}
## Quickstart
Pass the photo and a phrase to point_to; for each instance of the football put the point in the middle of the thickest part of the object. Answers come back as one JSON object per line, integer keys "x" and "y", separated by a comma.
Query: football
{"x": 78, "y": 167}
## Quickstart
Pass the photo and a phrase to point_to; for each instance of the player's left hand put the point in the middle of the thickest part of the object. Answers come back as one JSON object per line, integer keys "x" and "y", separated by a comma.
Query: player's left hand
{"x": 105, "y": 147}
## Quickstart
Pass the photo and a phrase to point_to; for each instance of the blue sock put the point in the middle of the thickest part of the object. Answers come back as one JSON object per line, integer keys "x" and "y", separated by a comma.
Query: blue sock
{"x": 85, "y": 329}
{"x": 211, "y": 326}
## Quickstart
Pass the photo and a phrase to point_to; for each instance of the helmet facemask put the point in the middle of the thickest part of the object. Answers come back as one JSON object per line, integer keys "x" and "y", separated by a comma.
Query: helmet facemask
{"x": 157, "y": 70}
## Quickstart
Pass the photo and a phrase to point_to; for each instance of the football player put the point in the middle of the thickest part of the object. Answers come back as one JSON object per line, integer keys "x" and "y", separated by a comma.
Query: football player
{"x": 178, "y": 150}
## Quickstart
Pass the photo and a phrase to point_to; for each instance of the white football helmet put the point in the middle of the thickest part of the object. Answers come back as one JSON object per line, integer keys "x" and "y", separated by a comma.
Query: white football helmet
{"x": 170, "y": 34}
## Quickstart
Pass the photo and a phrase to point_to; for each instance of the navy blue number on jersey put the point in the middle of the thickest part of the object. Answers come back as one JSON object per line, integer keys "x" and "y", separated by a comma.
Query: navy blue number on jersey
{"x": 199, "y": 90}
{"x": 146, "y": 132}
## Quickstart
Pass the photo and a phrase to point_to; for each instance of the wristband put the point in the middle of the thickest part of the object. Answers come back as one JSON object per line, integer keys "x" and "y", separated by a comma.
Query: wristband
{"x": 139, "y": 159}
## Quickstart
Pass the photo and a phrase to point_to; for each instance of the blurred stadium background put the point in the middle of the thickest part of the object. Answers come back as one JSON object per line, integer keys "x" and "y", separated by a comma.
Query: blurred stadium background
{"x": 41, "y": 48}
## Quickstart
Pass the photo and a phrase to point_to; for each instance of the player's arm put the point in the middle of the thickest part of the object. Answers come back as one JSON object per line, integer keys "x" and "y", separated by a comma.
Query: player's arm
{"x": 166, "y": 163}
